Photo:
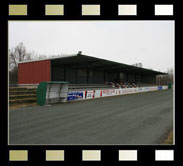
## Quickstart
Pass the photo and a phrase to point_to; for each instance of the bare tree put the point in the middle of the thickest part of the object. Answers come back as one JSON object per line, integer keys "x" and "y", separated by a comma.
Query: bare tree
{"x": 138, "y": 64}
{"x": 42, "y": 57}
{"x": 16, "y": 55}
{"x": 166, "y": 79}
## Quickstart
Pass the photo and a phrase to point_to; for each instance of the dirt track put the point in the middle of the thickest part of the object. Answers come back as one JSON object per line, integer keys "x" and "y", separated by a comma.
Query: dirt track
{"x": 144, "y": 118}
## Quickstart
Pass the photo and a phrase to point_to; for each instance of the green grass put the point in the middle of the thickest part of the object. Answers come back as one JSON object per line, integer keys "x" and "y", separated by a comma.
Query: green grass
{"x": 169, "y": 140}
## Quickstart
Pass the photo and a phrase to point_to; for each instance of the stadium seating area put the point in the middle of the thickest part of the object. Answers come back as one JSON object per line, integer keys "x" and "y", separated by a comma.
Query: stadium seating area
{"x": 107, "y": 85}
{"x": 89, "y": 86}
{"x": 122, "y": 84}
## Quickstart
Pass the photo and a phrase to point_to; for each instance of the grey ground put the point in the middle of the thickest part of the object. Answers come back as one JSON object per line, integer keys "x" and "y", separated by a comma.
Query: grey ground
{"x": 144, "y": 118}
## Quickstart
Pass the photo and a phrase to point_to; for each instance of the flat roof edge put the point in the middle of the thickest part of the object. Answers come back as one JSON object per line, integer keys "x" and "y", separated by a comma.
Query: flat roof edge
{"x": 36, "y": 60}
{"x": 74, "y": 55}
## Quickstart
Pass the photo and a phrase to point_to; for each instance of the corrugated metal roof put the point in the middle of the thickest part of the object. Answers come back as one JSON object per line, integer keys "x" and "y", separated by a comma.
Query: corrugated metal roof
{"x": 36, "y": 60}
{"x": 80, "y": 60}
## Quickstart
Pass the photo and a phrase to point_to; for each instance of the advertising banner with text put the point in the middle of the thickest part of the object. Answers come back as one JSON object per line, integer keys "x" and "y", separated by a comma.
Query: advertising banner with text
{"x": 75, "y": 95}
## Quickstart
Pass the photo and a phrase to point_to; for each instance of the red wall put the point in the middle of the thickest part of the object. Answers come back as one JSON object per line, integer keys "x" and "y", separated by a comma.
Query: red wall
{"x": 34, "y": 72}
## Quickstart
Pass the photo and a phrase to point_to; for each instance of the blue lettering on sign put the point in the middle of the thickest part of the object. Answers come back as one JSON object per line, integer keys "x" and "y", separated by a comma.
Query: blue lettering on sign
{"x": 74, "y": 96}
{"x": 146, "y": 89}
{"x": 160, "y": 87}
{"x": 140, "y": 89}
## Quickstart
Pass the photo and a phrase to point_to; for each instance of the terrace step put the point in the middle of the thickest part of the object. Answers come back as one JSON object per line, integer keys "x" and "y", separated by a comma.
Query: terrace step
{"x": 21, "y": 101}
{"x": 21, "y": 92}
{"x": 22, "y": 96}
{"x": 21, "y": 89}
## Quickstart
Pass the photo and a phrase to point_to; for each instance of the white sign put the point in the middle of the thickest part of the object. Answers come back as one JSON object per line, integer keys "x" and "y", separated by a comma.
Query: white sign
{"x": 98, "y": 93}
{"x": 108, "y": 92}
{"x": 127, "y": 90}
{"x": 90, "y": 94}
{"x": 165, "y": 87}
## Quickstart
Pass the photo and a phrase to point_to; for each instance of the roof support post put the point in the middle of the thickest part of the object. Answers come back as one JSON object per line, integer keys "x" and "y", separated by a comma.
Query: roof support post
{"x": 104, "y": 75}
{"x": 127, "y": 77}
{"x": 135, "y": 78}
{"x": 87, "y": 76}
{"x": 64, "y": 73}
{"x": 76, "y": 76}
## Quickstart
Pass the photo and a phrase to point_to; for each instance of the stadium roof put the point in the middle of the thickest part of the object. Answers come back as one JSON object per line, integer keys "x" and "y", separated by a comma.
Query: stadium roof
{"x": 85, "y": 61}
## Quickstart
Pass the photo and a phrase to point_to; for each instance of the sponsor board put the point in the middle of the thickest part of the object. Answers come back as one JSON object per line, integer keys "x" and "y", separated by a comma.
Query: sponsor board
{"x": 146, "y": 89}
{"x": 113, "y": 92}
{"x": 164, "y": 87}
{"x": 90, "y": 94}
{"x": 118, "y": 91}
{"x": 153, "y": 88}
{"x": 160, "y": 87}
{"x": 75, "y": 95}
{"x": 109, "y": 92}
{"x": 140, "y": 89}
{"x": 98, "y": 93}
{"x": 127, "y": 90}
{"x": 135, "y": 90}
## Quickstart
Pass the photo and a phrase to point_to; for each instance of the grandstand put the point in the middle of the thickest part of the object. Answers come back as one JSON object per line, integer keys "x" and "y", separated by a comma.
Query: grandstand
{"x": 85, "y": 72}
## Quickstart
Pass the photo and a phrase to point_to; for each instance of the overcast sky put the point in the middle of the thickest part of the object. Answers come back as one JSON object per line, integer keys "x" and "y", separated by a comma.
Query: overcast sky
{"x": 148, "y": 42}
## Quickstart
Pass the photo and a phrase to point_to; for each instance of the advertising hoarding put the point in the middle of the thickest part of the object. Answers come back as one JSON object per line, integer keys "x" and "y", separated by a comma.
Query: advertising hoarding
{"x": 75, "y": 95}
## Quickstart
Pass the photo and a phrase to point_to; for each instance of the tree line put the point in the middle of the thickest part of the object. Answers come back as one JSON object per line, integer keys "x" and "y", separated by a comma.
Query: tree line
{"x": 166, "y": 79}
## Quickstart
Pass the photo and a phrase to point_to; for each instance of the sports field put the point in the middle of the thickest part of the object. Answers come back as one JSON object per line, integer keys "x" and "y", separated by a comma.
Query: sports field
{"x": 144, "y": 118}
